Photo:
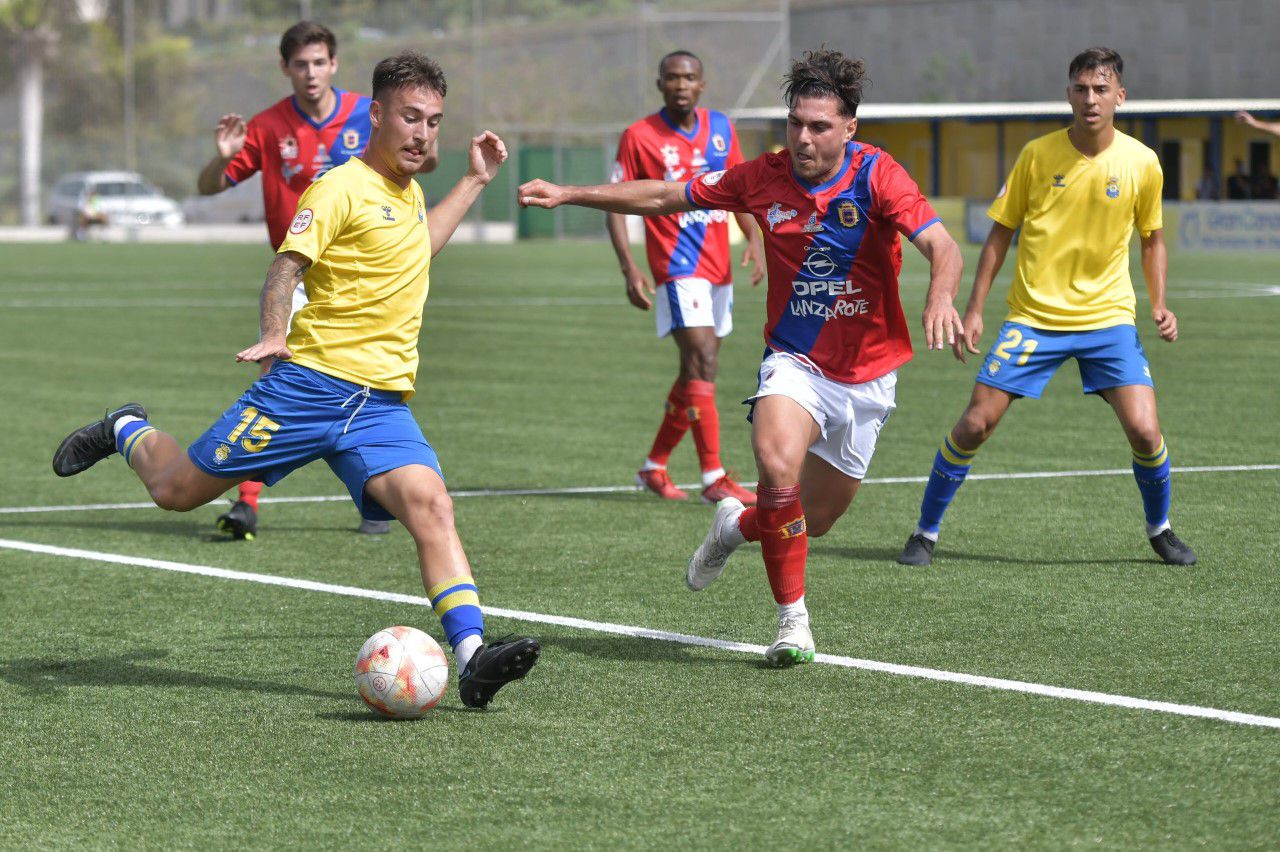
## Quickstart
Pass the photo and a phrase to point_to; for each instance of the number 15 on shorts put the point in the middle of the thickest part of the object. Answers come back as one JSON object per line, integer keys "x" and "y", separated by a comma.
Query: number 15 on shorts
{"x": 256, "y": 428}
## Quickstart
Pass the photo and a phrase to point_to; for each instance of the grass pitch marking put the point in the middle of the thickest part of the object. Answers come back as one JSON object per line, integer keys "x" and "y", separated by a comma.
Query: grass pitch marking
{"x": 622, "y": 489}
{"x": 1025, "y": 687}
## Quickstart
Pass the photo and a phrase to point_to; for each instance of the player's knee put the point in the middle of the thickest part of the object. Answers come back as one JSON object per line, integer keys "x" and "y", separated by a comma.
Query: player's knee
{"x": 430, "y": 513}
{"x": 172, "y": 497}
{"x": 974, "y": 428}
{"x": 1145, "y": 438}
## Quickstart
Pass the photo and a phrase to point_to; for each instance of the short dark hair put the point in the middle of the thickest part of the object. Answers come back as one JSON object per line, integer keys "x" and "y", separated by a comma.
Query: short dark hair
{"x": 1095, "y": 58}
{"x": 676, "y": 54}
{"x": 826, "y": 73}
{"x": 304, "y": 33}
{"x": 411, "y": 69}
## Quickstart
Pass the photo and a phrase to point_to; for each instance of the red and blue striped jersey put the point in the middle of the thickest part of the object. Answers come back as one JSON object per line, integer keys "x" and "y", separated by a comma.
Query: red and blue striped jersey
{"x": 292, "y": 151}
{"x": 683, "y": 245}
{"x": 833, "y": 254}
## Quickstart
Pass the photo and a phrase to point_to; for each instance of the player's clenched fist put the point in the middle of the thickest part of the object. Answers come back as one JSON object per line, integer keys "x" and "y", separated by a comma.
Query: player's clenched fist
{"x": 539, "y": 193}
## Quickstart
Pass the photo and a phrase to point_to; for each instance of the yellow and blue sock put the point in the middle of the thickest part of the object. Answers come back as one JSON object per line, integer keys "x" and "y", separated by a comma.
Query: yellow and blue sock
{"x": 129, "y": 434}
{"x": 457, "y": 604}
{"x": 1156, "y": 486}
{"x": 950, "y": 467}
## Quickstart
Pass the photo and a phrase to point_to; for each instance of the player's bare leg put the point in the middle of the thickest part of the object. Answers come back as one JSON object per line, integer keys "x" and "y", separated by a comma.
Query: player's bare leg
{"x": 416, "y": 495}
{"x": 1135, "y": 407}
{"x": 987, "y": 407}
{"x": 825, "y": 493}
{"x": 173, "y": 482}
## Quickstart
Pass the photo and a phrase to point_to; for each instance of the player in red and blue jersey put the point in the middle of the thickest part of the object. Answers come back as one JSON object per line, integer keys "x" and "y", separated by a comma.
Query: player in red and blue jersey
{"x": 293, "y": 143}
{"x": 833, "y": 212}
{"x": 689, "y": 259}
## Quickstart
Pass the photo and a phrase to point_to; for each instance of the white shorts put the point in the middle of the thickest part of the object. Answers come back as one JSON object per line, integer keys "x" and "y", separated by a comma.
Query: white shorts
{"x": 299, "y": 300}
{"x": 694, "y": 303}
{"x": 850, "y": 416}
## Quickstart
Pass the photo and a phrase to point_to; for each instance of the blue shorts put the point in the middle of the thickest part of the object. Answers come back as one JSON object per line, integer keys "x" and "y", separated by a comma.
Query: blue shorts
{"x": 1023, "y": 359}
{"x": 294, "y": 415}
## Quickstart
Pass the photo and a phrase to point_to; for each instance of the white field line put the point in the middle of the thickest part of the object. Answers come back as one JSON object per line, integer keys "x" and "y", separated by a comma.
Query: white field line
{"x": 622, "y": 489}
{"x": 1025, "y": 687}
{"x": 1214, "y": 290}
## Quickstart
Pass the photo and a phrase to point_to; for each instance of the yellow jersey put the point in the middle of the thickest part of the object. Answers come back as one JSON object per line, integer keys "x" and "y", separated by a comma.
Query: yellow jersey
{"x": 370, "y": 254}
{"x": 1077, "y": 217}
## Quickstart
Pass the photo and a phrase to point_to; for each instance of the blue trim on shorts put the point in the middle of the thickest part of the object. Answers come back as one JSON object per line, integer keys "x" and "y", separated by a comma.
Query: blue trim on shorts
{"x": 1023, "y": 359}
{"x": 294, "y": 415}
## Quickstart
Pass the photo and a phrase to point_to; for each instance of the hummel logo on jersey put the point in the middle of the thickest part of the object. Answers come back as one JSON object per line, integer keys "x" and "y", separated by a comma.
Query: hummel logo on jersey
{"x": 1057, "y": 181}
{"x": 813, "y": 226}
{"x": 775, "y": 215}
{"x": 386, "y": 213}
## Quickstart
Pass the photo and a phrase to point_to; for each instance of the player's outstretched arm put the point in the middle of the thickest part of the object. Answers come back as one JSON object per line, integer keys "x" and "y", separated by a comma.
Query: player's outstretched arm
{"x": 1155, "y": 269}
{"x": 1272, "y": 127}
{"x": 228, "y": 138}
{"x": 638, "y": 197}
{"x": 941, "y": 322}
{"x": 275, "y": 305}
{"x": 486, "y": 155}
{"x": 990, "y": 260}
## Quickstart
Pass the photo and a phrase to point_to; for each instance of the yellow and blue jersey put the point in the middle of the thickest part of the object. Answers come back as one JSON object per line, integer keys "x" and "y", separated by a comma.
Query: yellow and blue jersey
{"x": 1077, "y": 217}
{"x": 370, "y": 252}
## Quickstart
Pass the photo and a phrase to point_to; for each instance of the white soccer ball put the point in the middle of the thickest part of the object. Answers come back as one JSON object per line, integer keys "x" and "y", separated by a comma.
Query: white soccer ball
{"x": 401, "y": 672}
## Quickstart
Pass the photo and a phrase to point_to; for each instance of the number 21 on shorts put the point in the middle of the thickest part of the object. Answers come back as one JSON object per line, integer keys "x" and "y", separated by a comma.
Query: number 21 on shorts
{"x": 259, "y": 430}
{"x": 1013, "y": 340}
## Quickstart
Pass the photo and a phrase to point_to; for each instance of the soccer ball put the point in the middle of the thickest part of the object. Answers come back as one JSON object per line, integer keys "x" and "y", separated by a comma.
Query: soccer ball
{"x": 401, "y": 672}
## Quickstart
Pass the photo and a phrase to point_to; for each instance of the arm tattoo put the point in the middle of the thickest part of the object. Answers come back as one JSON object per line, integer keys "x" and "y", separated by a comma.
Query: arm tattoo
{"x": 286, "y": 271}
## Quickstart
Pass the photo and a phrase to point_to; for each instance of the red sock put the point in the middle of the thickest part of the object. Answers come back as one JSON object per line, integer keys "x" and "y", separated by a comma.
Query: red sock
{"x": 249, "y": 492}
{"x": 749, "y": 524}
{"x": 783, "y": 541}
{"x": 674, "y": 424}
{"x": 704, "y": 420}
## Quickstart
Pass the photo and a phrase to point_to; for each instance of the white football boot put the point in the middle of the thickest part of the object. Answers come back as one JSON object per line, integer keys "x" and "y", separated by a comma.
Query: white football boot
{"x": 709, "y": 559}
{"x": 793, "y": 644}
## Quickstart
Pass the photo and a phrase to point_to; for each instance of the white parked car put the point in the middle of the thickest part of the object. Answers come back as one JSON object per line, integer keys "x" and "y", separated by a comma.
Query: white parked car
{"x": 124, "y": 198}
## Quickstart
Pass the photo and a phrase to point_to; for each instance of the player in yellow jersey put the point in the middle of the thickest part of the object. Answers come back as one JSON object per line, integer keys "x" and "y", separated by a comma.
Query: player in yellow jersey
{"x": 362, "y": 242}
{"x": 1077, "y": 195}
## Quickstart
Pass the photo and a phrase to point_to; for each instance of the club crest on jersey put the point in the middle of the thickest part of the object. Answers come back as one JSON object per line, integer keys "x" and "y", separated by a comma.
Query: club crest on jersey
{"x": 1113, "y": 187}
{"x": 386, "y": 213}
{"x": 712, "y": 178}
{"x": 351, "y": 139}
{"x": 301, "y": 221}
{"x": 794, "y": 529}
{"x": 422, "y": 214}
{"x": 221, "y": 454}
{"x": 848, "y": 212}
{"x": 775, "y": 215}
{"x": 717, "y": 142}
{"x": 813, "y": 226}
{"x": 993, "y": 366}
{"x": 288, "y": 148}
{"x": 1057, "y": 181}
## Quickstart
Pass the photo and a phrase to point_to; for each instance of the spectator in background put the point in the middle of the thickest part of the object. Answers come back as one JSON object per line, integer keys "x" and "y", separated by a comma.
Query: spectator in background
{"x": 1264, "y": 184}
{"x": 1238, "y": 184}
{"x": 89, "y": 214}
{"x": 1207, "y": 189}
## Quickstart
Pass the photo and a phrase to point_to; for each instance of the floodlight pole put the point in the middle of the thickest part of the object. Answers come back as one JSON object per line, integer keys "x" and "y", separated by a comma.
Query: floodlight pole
{"x": 130, "y": 94}
{"x": 35, "y": 47}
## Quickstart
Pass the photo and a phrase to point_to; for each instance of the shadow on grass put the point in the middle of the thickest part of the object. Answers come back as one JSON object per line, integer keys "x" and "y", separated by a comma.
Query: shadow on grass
{"x": 50, "y": 675}
{"x": 890, "y": 557}
{"x": 629, "y": 649}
